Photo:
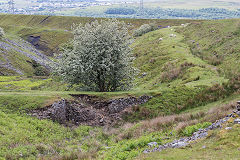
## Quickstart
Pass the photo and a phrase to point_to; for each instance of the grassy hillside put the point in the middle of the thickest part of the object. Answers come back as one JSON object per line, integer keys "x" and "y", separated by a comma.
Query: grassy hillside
{"x": 190, "y": 71}
{"x": 19, "y": 57}
{"x": 55, "y": 30}
{"x": 216, "y": 42}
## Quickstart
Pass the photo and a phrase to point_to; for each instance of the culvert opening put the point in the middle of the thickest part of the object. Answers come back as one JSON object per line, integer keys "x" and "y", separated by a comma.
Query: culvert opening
{"x": 89, "y": 110}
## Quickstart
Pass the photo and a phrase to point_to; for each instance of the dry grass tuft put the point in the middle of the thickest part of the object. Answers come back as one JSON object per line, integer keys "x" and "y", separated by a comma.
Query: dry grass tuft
{"x": 171, "y": 71}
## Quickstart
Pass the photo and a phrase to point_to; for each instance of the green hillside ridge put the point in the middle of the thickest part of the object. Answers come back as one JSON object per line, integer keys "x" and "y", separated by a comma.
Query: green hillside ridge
{"x": 55, "y": 30}
{"x": 216, "y": 42}
{"x": 191, "y": 71}
{"x": 157, "y": 57}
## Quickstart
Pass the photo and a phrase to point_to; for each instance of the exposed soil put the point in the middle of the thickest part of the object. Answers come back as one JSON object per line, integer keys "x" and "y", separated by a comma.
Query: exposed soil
{"x": 89, "y": 110}
{"x": 39, "y": 44}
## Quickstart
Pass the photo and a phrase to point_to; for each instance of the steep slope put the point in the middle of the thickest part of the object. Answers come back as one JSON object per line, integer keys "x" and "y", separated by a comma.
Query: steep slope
{"x": 170, "y": 71}
{"x": 17, "y": 57}
{"x": 216, "y": 42}
{"x": 168, "y": 62}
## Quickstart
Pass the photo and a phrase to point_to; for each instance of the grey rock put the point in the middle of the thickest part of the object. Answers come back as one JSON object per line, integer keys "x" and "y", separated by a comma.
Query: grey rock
{"x": 160, "y": 39}
{"x": 201, "y": 133}
{"x": 118, "y": 105}
{"x": 59, "y": 111}
{"x": 179, "y": 144}
{"x": 237, "y": 121}
{"x": 146, "y": 151}
{"x": 238, "y": 113}
{"x": 87, "y": 111}
{"x": 152, "y": 144}
{"x": 144, "y": 74}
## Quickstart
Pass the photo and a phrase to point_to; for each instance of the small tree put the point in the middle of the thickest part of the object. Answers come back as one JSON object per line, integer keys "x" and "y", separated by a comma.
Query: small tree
{"x": 100, "y": 57}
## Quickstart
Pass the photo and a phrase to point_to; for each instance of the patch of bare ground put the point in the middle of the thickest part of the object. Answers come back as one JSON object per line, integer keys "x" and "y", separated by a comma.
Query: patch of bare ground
{"x": 88, "y": 110}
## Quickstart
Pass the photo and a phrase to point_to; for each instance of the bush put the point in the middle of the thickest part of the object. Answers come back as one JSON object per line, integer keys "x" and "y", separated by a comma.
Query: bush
{"x": 145, "y": 28}
{"x": 41, "y": 71}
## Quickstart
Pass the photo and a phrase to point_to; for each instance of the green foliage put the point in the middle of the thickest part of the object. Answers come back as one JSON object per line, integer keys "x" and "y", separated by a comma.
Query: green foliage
{"x": 129, "y": 149}
{"x": 189, "y": 130}
{"x": 166, "y": 13}
{"x": 41, "y": 71}
{"x": 101, "y": 58}
{"x": 145, "y": 28}
{"x": 24, "y": 137}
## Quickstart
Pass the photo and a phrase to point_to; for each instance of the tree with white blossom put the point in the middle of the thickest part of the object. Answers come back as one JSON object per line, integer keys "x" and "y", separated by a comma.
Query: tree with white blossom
{"x": 100, "y": 57}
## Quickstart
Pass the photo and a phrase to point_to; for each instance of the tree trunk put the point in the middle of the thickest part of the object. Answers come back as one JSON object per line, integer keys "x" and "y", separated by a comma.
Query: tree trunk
{"x": 100, "y": 82}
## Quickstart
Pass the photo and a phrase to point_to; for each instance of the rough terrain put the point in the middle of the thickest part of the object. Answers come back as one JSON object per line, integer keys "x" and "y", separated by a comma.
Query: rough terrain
{"x": 86, "y": 110}
{"x": 201, "y": 133}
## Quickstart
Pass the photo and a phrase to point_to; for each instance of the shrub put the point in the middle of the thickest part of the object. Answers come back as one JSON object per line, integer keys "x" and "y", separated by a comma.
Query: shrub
{"x": 145, "y": 28}
{"x": 41, "y": 71}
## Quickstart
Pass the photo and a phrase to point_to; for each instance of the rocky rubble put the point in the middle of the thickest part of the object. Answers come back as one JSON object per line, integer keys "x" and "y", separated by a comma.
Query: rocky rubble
{"x": 118, "y": 105}
{"x": 201, "y": 133}
{"x": 88, "y": 111}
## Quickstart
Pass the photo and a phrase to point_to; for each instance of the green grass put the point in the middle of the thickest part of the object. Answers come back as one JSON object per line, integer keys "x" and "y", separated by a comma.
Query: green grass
{"x": 154, "y": 56}
{"x": 219, "y": 145}
{"x": 158, "y": 58}
{"x": 215, "y": 42}
{"x": 23, "y": 137}
{"x": 16, "y": 58}
{"x": 191, "y": 89}
{"x": 21, "y": 83}
{"x": 129, "y": 149}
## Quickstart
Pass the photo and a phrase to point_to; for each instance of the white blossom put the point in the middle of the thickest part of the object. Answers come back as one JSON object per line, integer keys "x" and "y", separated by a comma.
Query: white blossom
{"x": 101, "y": 57}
